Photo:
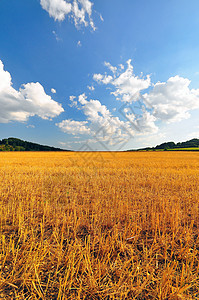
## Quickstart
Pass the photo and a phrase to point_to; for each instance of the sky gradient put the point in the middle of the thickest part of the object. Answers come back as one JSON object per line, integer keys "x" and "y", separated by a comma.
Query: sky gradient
{"x": 99, "y": 75}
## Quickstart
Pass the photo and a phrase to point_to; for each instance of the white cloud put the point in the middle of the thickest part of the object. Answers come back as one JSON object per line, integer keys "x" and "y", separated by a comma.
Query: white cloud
{"x": 57, "y": 9}
{"x": 30, "y": 100}
{"x": 91, "y": 88}
{"x": 108, "y": 127}
{"x": 172, "y": 100}
{"x": 105, "y": 79}
{"x": 99, "y": 118}
{"x": 79, "y": 44}
{"x": 128, "y": 86}
{"x": 74, "y": 127}
{"x": 79, "y": 14}
{"x": 105, "y": 129}
{"x": 95, "y": 111}
{"x": 104, "y": 126}
{"x": 87, "y": 6}
{"x": 53, "y": 91}
{"x": 82, "y": 99}
{"x": 169, "y": 101}
{"x": 79, "y": 10}
{"x": 73, "y": 102}
{"x": 72, "y": 98}
{"x": 144, "y": 123}
{"x": 110, "y": 67}
{"x": 98, "y": 77}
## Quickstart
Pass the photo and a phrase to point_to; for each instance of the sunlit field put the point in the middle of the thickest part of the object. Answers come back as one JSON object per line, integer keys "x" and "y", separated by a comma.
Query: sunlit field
{"x": 99, "y": 225}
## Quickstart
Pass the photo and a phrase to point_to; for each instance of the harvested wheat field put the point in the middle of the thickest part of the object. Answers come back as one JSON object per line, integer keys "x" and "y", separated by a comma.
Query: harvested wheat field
{"x": 99, "y": 225}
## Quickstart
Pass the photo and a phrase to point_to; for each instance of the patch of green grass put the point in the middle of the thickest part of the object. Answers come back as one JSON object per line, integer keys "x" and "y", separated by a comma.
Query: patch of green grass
{"x": 184, "y": 149}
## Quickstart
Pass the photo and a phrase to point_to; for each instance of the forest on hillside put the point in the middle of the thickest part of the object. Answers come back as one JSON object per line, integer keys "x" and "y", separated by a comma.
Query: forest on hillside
{"x": 14, "y": 144}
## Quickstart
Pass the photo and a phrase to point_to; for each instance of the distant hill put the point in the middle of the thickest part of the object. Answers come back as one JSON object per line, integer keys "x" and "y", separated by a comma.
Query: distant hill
{"x": 13, "y": 144}
{"x": 188, "y": 145}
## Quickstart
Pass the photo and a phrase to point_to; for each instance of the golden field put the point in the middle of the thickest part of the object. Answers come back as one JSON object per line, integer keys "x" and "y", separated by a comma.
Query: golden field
{"x": 99, "y": 225}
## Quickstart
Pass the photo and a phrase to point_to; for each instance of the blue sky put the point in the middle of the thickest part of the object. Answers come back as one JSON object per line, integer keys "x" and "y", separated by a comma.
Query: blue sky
{"x": 100, "y": 74}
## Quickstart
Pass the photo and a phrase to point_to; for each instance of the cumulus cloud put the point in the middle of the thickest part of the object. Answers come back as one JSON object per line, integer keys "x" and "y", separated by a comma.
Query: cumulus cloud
{"x": 105, "y": 128}
{"x": 127, "y": 86}
{"x": 168, "y": 101}
{"x": 73, "y": 102}
{"x": 72, "y": 98}
{"x": 79, "y": 10}
{"x": 96, "y": 114}
{"x": 105, "y": 79}
{"x": 121, "y": 66}
{"x": 172, "y": 100}
{"x": 57, "y": 9}
{"x": 143, "y": 123}
{"x": 29, "y": 100}
{"x": 94, "y": 110}
{"x": 141, "y": 110}
{"x": 74, "y": 127}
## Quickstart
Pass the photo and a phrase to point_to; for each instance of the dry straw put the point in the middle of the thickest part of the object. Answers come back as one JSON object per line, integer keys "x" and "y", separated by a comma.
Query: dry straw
{"x": 124, "y": 229}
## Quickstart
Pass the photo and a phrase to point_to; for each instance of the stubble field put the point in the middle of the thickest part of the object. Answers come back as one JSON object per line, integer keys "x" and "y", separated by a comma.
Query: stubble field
{"x": 99, "y": 226}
